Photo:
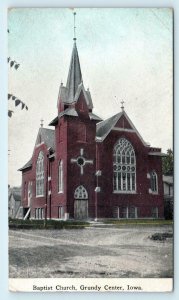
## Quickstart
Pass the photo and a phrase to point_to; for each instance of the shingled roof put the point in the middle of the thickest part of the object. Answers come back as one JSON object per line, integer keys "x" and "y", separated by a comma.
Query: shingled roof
{"x": 27, "y": 165}
{"x": 73, "y": 113}
{"x": 104, "y": 127}
{"x": 74, "y": 76}
{"x": 70, "y": 93}
{"x": 15, "y": 192}
{"x": 46, "y": 136}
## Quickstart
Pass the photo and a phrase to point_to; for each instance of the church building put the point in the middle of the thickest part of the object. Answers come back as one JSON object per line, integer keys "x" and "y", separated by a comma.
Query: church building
{"x": 89, "y": 168}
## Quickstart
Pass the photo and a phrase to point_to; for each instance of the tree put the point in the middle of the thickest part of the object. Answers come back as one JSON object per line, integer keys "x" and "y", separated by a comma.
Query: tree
{"x": 167, "y": 163}
{"x": 17, "y": 101}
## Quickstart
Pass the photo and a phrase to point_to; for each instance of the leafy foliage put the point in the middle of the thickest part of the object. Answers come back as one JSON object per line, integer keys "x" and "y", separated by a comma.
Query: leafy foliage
{"x": 15, "y": 65}
{"x": 17, "y": 102}
{"x": 167, "y": 163}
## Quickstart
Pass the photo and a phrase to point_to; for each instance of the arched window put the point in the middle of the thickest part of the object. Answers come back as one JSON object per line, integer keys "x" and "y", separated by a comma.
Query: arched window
{"x": 40, "y": 175}
{"x": 80, "y": 193}
{"x": 29, "y": 193}
{"x": 154, "y": 181}
{"x": 60, "y": 177}
{"x": 124, "y": 167}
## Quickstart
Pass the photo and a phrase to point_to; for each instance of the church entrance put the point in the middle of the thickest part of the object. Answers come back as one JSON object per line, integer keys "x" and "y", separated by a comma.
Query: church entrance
{"x": 81, "y": 203}
{"x": 81, "y": 209}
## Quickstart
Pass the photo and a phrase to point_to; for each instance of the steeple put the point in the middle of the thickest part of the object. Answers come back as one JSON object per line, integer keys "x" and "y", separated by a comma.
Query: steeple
{"x": 69, "y": 94}
{"x": 74, "y": 75}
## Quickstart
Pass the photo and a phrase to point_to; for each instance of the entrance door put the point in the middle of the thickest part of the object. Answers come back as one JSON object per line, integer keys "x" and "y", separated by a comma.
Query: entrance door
{"x": 81, "y": 209}
{"x": 81, "y": 203}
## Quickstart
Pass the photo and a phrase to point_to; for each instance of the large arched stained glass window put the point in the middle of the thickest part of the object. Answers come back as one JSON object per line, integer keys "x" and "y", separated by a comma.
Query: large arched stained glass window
{"x": 124, "y": 167}
{"x": 40, "y": 175}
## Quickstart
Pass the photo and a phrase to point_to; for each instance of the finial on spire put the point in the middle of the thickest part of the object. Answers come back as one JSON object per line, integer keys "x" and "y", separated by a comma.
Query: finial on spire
{"x": 122, "y": 107}
{"x": 74, "y": 27}
{"x": 41, "y": 124}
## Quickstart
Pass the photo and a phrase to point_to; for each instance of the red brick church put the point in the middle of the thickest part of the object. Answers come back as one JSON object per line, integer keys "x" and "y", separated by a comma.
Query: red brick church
{"x": 87, "y": 168}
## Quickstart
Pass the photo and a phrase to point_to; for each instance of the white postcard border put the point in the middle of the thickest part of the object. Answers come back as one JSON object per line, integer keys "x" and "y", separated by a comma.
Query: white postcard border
{"x": 91, "y": 285}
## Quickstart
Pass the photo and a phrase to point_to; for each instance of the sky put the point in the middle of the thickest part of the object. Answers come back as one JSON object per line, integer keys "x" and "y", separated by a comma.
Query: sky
{"x": 125, "y": 54}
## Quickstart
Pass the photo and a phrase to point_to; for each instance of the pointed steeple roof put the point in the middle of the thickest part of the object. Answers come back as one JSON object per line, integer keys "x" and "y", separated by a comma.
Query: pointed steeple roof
{"x": 70, "y": 93}
{"x": 74, "y": 75}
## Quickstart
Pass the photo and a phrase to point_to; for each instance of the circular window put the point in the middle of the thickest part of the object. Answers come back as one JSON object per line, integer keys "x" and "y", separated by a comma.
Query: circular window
{"x": 80, "y": 161}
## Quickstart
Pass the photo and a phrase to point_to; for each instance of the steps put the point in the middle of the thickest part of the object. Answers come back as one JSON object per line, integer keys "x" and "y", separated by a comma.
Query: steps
{"x": 100, "y": 224}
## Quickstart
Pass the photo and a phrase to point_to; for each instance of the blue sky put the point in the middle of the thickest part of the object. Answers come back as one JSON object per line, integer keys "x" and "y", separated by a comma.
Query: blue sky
{"x": 125, "y": 54}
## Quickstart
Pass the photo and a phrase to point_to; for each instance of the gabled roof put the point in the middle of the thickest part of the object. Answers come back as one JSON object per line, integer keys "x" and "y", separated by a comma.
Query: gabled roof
{"x": 86, "y": 94}
{"x": 15, "y": 192}
{"x": 27, "y": 165}
{"x": 46, "y": 136}
{"x": 105, "y": 127}
{"x": 64, "y": 98}
{"x": 94, "y": 117}
{"x": 68, "y": 112}
{"x": 71, "y": 111}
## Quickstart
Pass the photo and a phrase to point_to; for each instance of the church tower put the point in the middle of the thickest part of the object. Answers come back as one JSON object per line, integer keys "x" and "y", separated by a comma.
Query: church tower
{"x": 75, "y": 131}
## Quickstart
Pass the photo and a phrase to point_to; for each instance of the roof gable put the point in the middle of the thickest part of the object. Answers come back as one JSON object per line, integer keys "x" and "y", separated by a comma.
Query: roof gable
{"x": 104, "y": 127}
{"x": 123, "y": 123}
{"x": 46, "y": 136}
{"x": 114, "y": 123}
{"x": 86, "y": 94}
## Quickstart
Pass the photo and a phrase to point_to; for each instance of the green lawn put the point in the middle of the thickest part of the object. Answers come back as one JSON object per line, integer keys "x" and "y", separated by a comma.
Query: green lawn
{"x": 138, "y": 222}
{"x": 49, "y": 224}
{"x": 71, "y": 224}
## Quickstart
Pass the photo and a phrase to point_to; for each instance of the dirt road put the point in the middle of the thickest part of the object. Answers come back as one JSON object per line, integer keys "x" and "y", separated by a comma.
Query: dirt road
{"x": 120, "y": 252}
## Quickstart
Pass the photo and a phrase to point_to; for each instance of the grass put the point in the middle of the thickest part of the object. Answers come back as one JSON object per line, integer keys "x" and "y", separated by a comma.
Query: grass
{"x": 49, "y": 224}
{"x": 72, "y": 224}
{"x": 138, "y": 222}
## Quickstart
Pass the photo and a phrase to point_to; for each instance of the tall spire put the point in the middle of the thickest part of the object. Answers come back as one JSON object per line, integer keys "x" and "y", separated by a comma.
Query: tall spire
{"x": 74, "y": 74}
